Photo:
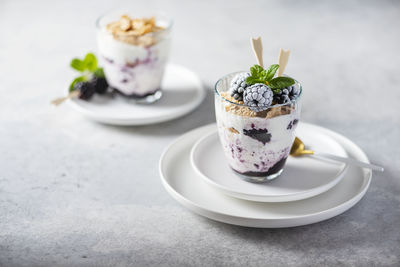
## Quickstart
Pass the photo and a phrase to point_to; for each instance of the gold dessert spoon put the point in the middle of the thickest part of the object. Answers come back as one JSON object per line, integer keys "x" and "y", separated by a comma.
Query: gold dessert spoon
{"x": 298, "y": 149}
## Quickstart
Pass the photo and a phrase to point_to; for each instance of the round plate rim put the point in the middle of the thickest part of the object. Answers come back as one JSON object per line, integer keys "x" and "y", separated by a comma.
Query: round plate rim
{"x": 259, "y": 197}
{"x": 146, "y": 121}
{"x": 255, "y": 221}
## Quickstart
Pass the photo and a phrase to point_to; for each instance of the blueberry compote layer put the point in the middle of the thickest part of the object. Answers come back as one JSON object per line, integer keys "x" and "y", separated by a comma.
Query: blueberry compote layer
{"x": 274, "y": 169}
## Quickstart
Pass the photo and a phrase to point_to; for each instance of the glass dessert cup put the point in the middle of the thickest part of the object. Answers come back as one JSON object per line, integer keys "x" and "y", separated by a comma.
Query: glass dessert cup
{"x": 256, "y": 144}
{"x": 134, "y": 65}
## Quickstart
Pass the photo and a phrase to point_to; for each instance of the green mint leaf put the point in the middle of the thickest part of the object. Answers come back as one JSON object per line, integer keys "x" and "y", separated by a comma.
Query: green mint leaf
{"x": 256, "y": 70}
{"x": 90, "y": 62}
{"x": 77, "y": 64}
{"x": 253, "y": 80}
{"x": 270, "y": 72}
{"x": 99, "y": 73}
{"x": 77, "y": 80}
{"x": 281, "y": 82}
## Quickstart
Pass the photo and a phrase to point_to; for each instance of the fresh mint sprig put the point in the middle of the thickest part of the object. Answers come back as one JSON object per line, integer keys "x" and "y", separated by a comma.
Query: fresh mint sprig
{"x": 266, "y": 76}
{"x": 89, "y": 63}
{"x": 88, "y": 67}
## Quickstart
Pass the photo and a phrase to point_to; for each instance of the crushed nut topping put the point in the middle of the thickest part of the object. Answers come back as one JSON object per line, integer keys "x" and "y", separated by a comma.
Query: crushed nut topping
{"x": 245, "y": 111}
{"x": 134, "y": 31}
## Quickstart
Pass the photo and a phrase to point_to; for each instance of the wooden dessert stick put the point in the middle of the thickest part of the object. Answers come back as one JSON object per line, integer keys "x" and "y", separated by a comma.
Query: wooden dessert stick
{"x": 256, "y": 44}
{"x": 60, "y": 100}
{"x": 283, "y": 60}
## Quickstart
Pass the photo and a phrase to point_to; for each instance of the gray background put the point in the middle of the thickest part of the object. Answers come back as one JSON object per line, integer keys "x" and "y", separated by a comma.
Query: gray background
{"x": 74, "y": 192}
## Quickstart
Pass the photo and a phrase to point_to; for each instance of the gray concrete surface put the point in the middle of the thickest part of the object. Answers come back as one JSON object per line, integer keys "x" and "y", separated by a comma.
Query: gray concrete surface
{"x": 77, "y": 193}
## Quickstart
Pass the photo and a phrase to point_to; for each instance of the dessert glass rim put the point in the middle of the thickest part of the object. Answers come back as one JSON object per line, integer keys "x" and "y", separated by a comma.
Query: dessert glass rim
{"x": 168, "y": 19}
{"x": 243, "y": 105}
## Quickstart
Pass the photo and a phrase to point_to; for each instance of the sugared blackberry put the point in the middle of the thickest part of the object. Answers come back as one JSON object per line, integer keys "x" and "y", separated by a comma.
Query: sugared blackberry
{"x": 238, "y": 85}
{"x": 86, "y": 90}
{"x": 258, "y": 97}
{"x": 100, "y": 85}
{"x": 287, "y": 95}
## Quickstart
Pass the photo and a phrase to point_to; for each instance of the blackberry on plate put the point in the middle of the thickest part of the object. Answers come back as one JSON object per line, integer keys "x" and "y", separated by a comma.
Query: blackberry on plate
{"x": 86, "y": 90}
{"x": 100, "y": 84}
{"x": 238, "y": 85}
{"x": 258, "y": 97}
{"x": 286, "y": 95}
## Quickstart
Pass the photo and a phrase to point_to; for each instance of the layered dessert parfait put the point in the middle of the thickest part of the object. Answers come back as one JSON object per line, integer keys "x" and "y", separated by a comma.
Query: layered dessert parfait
{"x": 257, "y": 115}
{"x": 134, "y": 53}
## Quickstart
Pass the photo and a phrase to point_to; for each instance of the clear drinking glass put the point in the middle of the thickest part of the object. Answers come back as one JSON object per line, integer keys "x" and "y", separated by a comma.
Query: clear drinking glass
{"x": 256, "y": 144}
{"x": 134, "y": 70}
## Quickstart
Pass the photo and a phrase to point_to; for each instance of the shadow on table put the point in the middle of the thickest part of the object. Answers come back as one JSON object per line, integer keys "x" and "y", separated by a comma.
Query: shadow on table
{"x": 329, "y": 234}
{"x": 202, "y": 115}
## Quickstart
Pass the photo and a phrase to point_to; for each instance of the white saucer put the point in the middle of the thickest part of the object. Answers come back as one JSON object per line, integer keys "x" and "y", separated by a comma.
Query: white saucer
{"x": 189, "y": 189}
{"x": 182, "y": 93}
{"x": 302, "y": 177}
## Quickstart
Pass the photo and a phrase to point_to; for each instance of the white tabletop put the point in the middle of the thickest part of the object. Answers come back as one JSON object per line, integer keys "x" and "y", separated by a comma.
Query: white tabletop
{"x": 74, "y": 192}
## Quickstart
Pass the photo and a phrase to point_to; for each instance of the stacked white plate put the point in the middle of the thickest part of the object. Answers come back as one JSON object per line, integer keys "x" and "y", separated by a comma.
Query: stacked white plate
{"x": 195, "y": 172}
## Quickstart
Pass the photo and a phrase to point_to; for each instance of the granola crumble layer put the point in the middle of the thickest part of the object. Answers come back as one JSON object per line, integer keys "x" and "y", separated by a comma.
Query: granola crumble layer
{"x": 139, "y": 31}
{"x": 245, "y": 111}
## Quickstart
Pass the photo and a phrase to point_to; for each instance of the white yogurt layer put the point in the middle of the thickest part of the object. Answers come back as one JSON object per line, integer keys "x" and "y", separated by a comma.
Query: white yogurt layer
{"x": 131, "y": 69}
{"x": 246, "y": 154}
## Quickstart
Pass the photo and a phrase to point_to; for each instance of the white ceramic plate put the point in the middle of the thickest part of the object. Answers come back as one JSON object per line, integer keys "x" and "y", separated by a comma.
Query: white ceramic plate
{"x": 302, "y": 177}
{"x": 189, "y": 189}
{"x": 182, "y": 92}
